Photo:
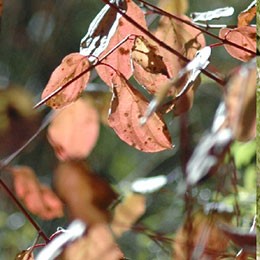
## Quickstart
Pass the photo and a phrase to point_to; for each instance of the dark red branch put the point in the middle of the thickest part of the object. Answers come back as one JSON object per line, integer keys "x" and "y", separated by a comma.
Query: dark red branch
{"x": 161, "y": 43}
{"x": 178, "y": 18}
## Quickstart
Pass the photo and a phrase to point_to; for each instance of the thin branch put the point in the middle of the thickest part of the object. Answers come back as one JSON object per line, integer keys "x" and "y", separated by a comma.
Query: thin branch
{"x": 161, "y": 43}
{"x": 92, "y": 66}
{"x": 162, "y": 12}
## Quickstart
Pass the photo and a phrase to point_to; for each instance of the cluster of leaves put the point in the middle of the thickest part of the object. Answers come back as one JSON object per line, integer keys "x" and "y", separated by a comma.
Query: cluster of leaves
{"x": 167, "y": 63}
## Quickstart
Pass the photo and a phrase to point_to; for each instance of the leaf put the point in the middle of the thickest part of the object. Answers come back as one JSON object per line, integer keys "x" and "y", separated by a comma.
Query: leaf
{"x": 38, "y": 198}
{"x": 211, "y": 15}
{"x": 200, "y": 237}
{"x": 243, "y": 239}
{"x": 120, "y": 58}
{"x": 246, "y": 16}
{"x": 74, "y": 130}
{"x": 184, "y": 40}
{"x": 71, "y": 66}
{"x": 241, "y": 102}
{"x": 174, "y": 7}
{"x": 127, "y": 107}
{"x": 146, "y": 55}
{"x": 191, "y": 71}
{"x": 127, "y": 213}
{"x": 244, "y": 36}
{"x": 86, "y": 195}
{"x": 18, "y": 121}
{"x": 101, "y": 30}
{"x": 98, "y": 243}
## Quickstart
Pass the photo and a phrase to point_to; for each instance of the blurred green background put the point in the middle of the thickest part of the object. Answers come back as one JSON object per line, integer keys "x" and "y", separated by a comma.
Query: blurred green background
{"x": 35, "y": 36}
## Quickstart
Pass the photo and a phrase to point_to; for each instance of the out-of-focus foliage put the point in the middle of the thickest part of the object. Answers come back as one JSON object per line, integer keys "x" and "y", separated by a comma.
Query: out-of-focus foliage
{"x": 36, "y": 35}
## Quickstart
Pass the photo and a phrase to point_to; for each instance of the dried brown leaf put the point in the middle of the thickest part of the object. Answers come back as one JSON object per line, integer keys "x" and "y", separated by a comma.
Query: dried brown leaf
{"x": 74, "y": 131}
{"x": 241, "y": 102}
{"x": 127, "y": 213}
{"x": 174, "y": 7}
{"x": 244, "y": 36}
{"x": 120, "y": 59}
{"x": 146, "y": 55}
{"x": 245, "y": 17}
{"x": 98, "y": 243}
{"x": 243, "y": 239}
{"x": 201, "y": 238}
{"x": 86, "y": 195}
{"x": 127, "y": 107}
{"x": 18, "y": 120}
{"x": 71, "y": 66}
{"x": 187, "y": 41}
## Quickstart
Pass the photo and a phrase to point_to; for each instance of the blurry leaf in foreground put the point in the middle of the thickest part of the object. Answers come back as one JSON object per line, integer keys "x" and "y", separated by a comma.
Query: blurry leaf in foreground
{"x": 246, "y": 16}
{"x": 200, "y": 237}
{"x": 18, "y": 121}
{"x": 56, "y": 245}
{"x": 241, "y": 102}
{"x": 71, "y": 66}
{"x": 38, "y": 198}
{"x": 244, "y": 36}
{"x": 127, "y": 107}
{"x": 127, "y": 213}
{"x": 242, "y": 239}
{"x": 74, "y": 130}
{"x": 208, "y": 155}
{"x": 174, "y": 7}
{"x": 86, "y": 195}
{"x": 97, "y": 244}
{"x": 211, "y": 15}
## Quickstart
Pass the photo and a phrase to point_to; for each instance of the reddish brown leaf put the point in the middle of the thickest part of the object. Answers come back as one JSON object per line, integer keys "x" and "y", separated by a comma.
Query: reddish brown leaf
{"x": 243, "y": 239}
{"x": 127, "y": 213}
{"x": 86, "y": 195}
{"x": 120, "y": 59}
{"x": 245, "y": 17}
{"x": 127, "y": 107}
{"x": 174, "y": 7}
{"x": 98, "y": 243}
{"x": 74, "y": 130}
{"x": 244, "y": 36}
{"x": 18, "y": 120}
{"x": 71, "y": 66}
{"x": 200, "y": 237}
{"x": 38, "y": 198}
{"x": 241, "y": 102}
